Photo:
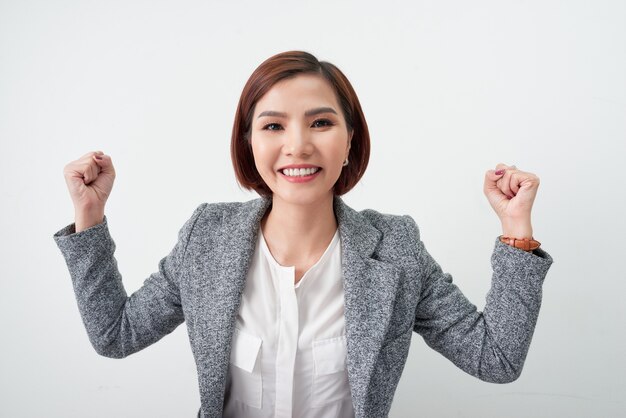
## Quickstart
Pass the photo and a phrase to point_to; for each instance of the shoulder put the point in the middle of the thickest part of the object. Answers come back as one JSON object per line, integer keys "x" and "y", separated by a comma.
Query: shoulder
{"x": 398, "y": 234}
{"x": 217, "y": 211}
{"x": 386, "y": 222}
{"x": 398, "y": 225}
{"x": 228, "y": 213}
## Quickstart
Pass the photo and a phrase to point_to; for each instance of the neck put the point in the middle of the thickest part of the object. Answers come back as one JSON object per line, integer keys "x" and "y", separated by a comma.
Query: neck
{"x": 299, "y": 231}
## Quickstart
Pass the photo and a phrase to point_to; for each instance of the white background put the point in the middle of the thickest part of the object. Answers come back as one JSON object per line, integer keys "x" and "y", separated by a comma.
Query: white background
{"x": 450, "y": 88}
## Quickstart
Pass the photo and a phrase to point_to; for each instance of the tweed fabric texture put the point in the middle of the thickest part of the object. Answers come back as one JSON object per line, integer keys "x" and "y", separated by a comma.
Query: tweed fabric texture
{"x": 392, "y": 286}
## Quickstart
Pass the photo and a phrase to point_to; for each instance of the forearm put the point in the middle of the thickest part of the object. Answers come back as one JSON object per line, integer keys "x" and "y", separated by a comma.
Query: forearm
{"x": 511, "y": 310}
{"x": 97, "y": 283}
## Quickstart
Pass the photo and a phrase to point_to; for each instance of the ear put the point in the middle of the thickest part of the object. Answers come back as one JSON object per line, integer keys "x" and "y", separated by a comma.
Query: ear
{"x": 349, "y": 142}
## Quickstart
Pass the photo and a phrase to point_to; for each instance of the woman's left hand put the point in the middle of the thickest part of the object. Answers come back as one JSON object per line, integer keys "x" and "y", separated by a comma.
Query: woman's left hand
{"x": 511, "y": 194}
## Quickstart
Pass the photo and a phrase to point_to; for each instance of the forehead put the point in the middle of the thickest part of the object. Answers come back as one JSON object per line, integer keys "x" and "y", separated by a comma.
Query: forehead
{"x": 297, "y": 93}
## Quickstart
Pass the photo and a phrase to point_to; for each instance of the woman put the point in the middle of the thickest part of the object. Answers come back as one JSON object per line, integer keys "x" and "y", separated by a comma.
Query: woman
{"x": 296, "y": 304}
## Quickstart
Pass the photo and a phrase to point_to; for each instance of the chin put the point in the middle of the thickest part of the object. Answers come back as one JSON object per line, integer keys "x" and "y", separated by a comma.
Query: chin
{"x": 303, "y": 197}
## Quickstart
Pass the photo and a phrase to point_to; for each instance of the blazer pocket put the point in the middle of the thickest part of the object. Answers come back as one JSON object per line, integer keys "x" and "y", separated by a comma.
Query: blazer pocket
{"x": 330, "y": 378}
{"x": 245, "y": 369}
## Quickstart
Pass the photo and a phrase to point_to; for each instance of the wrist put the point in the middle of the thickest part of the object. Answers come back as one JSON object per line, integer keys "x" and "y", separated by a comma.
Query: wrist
{"x": 519, "y": 229}
{"x": 84, "y": 219}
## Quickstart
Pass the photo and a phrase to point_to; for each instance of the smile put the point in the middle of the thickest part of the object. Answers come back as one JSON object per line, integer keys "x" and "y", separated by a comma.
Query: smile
{"x": 299, "y": 172}
{"x": 299, "y": 175}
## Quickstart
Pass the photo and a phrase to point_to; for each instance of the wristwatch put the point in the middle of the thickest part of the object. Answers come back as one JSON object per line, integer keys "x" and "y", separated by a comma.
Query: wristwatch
{"x": 523, "y": 244}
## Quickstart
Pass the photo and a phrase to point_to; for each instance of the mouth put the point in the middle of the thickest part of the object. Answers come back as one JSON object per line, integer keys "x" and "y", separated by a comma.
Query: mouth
{"x": 299, "y": 174}
{"x": 304, "y": 170}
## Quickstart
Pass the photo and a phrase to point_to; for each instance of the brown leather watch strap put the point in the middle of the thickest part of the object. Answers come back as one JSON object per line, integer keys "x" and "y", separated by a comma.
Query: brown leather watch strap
{"x": 523, "y": 244}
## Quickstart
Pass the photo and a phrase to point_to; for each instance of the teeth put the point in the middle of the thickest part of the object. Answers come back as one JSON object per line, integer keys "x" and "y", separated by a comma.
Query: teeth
{"x": 292, "y": 172}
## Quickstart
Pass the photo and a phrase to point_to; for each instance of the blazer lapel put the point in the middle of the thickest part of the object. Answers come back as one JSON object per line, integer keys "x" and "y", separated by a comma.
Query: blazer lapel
{"x": 224, "y": 264}
{"x": 370, "y": 288}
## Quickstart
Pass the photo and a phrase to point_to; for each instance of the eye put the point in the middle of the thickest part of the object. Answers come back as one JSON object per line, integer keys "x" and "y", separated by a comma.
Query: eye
{"x": 320, "y": 123}
{"x": 272, "y": 127}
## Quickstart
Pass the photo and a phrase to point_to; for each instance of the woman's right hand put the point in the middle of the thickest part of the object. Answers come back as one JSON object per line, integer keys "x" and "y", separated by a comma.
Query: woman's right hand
{"x": 89, "y": 181}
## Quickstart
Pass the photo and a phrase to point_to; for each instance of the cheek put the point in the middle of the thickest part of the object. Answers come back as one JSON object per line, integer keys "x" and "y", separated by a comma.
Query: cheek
{"x": 262, "y": 154}
{"x": 336, "y": 148}
{"x": 257, "y": 148}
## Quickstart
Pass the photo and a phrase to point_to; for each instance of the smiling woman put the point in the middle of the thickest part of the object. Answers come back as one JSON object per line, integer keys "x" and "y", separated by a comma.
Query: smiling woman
{"x": 303, "y": 138}
{"x": 336, "y": 100}
{"x": 296, "y": 304}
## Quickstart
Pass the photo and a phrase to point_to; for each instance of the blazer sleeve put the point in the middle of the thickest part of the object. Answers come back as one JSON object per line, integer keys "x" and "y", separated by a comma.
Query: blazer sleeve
{"x": 490, "y": 345}
{"x": 119, "y": 325}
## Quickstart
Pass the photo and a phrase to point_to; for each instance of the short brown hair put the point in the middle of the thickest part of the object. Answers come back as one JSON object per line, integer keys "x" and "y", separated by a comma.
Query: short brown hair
{"x": 280, "y": 67}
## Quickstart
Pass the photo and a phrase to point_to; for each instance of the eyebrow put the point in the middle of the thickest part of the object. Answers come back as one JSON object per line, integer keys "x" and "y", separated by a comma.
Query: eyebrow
{"x": 311, "y": 112}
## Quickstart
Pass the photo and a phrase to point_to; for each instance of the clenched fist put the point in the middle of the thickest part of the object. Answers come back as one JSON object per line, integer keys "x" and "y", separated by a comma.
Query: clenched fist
{"x": 89, "y": 181}
{"x": 511, "y": 193}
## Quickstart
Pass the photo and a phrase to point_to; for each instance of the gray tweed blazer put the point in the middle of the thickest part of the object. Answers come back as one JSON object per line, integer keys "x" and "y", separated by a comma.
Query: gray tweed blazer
{"x": 393, "y": 288}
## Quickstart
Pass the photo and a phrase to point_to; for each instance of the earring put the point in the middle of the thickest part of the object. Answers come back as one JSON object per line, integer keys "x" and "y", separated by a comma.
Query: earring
{"x": 345, "y": 163}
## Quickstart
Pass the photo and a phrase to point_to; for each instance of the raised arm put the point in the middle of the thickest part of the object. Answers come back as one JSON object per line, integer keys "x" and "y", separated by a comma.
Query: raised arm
{"x": 491, "y": 345}
{"x": 117, "y": 325}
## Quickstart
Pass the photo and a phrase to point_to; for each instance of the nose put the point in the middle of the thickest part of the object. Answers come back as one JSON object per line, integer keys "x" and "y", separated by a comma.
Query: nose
{"x": 298, "y": 142}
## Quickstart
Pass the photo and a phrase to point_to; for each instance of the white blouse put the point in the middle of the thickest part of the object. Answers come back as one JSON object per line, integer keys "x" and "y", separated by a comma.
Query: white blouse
{"x": 288, "y": 356}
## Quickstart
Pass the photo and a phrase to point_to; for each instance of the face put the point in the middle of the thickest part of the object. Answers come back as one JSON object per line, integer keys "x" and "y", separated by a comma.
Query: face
{"x": 300, "y": 139}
